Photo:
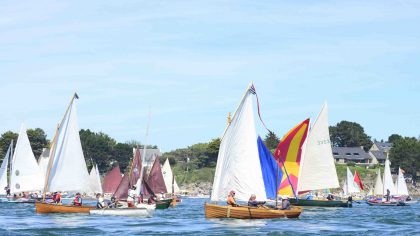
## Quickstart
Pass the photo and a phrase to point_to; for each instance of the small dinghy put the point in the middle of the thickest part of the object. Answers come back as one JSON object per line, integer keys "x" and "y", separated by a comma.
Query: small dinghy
{"x": 142, "y": 210}
{"x": 380, "y": 203}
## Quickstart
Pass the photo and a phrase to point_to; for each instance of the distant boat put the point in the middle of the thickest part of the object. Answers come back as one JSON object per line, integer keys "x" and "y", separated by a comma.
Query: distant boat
{"x": 3, "y": 170}
{"x": 350, "y": 185}
{"x": 379, "y": 185}
{"x": 67, "y": 169}
{"x": 317, "y": 168}
{"x": 168, "y": 176}
{"x": 111, "y": 180}
{"x": 238, "y": 168}
{"x": 95, "y": 180}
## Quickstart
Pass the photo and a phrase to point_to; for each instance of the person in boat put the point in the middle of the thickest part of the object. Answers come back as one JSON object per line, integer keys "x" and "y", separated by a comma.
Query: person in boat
{"x": 113, "y": 203}
{"x": 7, "y": 188}
{"x": 77, "y": 201}
{"x": 285, "y": 204}
{"x": 140, "y": 198}
{"x": 131, "y": 196}
{"x": 162, "y": 196}
{"x": 100, "y": 203}
{"x": 56, "y": 198}
{"x": 231, "y": 199}
{"x": 151, "y": 200}
{"x": 252, "y": 202}
{"x": 388, "y": 195}
{"x": 350, "y": 198}
{"x": 330, "y": 197}
{"x": 408, "y": 199}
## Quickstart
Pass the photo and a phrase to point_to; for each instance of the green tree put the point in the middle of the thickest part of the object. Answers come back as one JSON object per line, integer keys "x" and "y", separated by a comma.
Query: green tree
{"x": 5, "y": 140}
{"x": 38, "y": 140}
{"x": 394, "y": 137}
{"x": 123, "y": 153}
{"x": 405, "y": 153}
{"x": 271, "y": 140}
{"x": 349, "y": 134}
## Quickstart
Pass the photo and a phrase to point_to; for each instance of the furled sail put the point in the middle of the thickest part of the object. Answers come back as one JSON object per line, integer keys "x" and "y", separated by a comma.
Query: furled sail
{"x": 95, "y": 180}
{"x": 351, "y": 185}
{"x": 238, "y": 167}
{"x": 3, "y": 170}
{"x": 25, "y": 175}
{"x": 168, "y": 176}
{"x": 317, "y": 168}
{"x": 68, "y": 171}
{"x": 401, "y": 188}
{"x": 379, "y": 186}
{"x": 388, "y": 182}
{"x": 271, "y": 171}
{"x": 111, "y": 180}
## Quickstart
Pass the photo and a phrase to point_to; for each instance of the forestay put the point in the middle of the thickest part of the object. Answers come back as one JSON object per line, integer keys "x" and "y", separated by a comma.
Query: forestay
{"x": 317, "y": 168}
{"x": 379, "y": 186}
{"x": 95, "y": 180}
{"x": 388, "y": 182}
{"x": 169, "y": 177}
{"x": 68, "y": 171}
{"x": 401, "y": 188}
{"x": 3, "y": 170}
{"x": 238, "y": 166}
{"x": 25, "y": 175}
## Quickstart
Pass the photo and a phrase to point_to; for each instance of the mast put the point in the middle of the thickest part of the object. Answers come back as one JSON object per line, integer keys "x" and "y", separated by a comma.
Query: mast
{"x": 11, "y": 160}
{"x": 139, "y": 181}
{"x": 53, "y": 146}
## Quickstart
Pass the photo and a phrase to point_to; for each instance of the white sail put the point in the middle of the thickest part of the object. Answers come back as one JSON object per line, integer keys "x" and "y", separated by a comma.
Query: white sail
{"x": 351, "y": 185}
{"x": 379, "y": 186}
{"x": 317, "y": 169}
{"x": 68, "y": 171}
{"x": 3, "y": 171}
{"x": 25, "y": 175}
{"x": 370, "y": 193}
{"x": 345, "y": 190}
{"x": 388, "y": 182}
{"x": 43, "y": 161}
{"x": 95, "y": 180}
{"x": 168, "y": 177}
{"x": 238, "y": 166}
{"x": 401, "y": 186}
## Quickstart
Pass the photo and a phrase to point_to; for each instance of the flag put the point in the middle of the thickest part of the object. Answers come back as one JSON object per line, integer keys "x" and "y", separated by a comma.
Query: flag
{"x": 358, "y": 180}
{"x": 289, "y": 152}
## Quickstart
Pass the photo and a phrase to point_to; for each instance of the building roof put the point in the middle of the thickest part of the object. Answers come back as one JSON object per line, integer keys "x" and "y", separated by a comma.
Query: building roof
{"x": 380, "y": 155}
{"x": 383, "y": 146}
{"x": 350, "y": 153}
{"x": 150, "y": 155}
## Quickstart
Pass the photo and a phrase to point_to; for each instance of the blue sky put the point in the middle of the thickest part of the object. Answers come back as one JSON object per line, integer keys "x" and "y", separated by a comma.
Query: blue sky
{"x": 190, "y": 61}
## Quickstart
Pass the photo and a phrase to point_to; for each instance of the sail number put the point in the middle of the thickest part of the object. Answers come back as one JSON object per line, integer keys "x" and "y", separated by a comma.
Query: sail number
{"x": 324, "y": 141}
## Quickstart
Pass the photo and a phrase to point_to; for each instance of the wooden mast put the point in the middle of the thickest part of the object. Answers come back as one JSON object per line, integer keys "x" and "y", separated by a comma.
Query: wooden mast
{"x": 53, "y": 148}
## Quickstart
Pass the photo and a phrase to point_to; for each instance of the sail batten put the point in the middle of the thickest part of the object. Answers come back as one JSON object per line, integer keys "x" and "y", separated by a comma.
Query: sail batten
{"x": 317, "y": 168}
{"x": 238, "y": 166}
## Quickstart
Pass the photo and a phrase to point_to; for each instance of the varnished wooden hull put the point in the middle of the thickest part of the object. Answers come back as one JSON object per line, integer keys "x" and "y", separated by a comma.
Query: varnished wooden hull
{"x": 52, "y": 208}
{"x": 245, "y": 212}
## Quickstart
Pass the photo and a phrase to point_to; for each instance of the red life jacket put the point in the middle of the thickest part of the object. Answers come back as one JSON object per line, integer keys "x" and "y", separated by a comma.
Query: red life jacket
{"x": 77, "y": 201}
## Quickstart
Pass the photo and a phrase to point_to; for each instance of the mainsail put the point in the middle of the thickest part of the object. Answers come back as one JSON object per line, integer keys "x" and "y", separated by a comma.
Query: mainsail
{"x": 401, "y": 185}
{"x": 112, "y": 180}
{"x": 95, "y": 180}
{"x": 25, "y": 175}
{"x": 68, "y": 171}
{"x": 388, "y": 182}
{"x": 168, "y": 176}
{"x": 317, "y": 169}
{"x": 238, "y": 166}
{"x": 3, "y": 170}
{"x": 155, "y": 179}
{"x": 379, "y": 186}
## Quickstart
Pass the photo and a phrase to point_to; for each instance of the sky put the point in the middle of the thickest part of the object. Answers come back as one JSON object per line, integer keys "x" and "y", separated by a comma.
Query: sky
{"x": 189, "y": 62}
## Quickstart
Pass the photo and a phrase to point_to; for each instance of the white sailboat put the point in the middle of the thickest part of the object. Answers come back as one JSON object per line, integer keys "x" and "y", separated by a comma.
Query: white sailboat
{"x": 67, "y": 169}
{"x": 95, "y": 180}
{"x": 25, "y": 175}
{"x": 168, "y": 177}
{"x": 3, "y": 170}
{"x": 388, "y": 182}
{"x": 238, "y": 168}
{"x": 401, "y": 186}
{"x": 379, "y": 186}
{"x": 351, "y": 186}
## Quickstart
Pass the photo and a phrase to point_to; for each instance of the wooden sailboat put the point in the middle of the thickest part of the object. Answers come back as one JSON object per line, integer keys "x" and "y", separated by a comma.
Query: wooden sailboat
{"x": 155, "y": 184}
{"x": 317, "y": 169}
{"x": 67, "y": 169}
{"x": 238, "y": 168}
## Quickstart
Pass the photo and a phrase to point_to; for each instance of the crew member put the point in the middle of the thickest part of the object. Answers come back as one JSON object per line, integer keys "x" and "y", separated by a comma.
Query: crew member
{"x": 77, "y": 200}
{"x": 253, "y": 202}
{"x": 231, "y": 199}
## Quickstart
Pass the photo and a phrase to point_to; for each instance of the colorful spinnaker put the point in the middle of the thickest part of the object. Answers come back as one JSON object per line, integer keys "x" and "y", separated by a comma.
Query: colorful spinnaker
{"x": 289, "y": 152}
{"x": 269, "y": 167}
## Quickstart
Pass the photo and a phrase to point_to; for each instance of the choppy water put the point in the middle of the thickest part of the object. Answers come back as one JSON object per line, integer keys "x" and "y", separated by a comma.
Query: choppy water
{"x": 188, "y": 219}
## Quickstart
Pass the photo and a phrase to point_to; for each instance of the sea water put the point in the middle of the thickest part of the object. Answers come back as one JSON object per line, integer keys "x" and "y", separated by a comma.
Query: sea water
{"x": 187, "y": 218}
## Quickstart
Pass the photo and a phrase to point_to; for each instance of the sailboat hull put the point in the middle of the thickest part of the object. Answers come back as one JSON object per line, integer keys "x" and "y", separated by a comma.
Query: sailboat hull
{"x": 138, "y": 212}
{"x": 320, "y": 203}
{"x": 245, "y": 212}
{"x": 44, "y": 208}
{"x": 163, "y": 204}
